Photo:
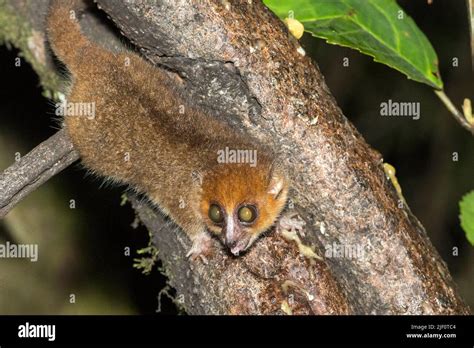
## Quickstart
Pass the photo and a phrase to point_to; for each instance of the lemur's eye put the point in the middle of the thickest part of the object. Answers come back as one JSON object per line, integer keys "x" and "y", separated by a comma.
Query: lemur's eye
{"x": 215, "y": 214}
{"x": 247, "y": 214}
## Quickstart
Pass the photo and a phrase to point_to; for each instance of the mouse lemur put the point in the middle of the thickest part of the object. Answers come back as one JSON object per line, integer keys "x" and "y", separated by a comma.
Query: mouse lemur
{"x": 141, "y": 135}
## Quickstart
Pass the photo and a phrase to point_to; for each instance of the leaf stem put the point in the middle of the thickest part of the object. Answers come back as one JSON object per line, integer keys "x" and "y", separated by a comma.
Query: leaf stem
{"x": 463, "y": 119}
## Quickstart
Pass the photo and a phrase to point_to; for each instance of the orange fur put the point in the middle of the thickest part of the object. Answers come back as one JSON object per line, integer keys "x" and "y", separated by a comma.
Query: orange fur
{"x": 233, "y": 185}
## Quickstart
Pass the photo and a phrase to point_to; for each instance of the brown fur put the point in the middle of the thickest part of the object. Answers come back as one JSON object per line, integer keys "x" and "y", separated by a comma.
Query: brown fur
{"x": 137, "y": 117}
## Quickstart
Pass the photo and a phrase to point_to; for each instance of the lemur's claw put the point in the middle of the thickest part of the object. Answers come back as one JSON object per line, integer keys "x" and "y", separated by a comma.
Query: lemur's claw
{"x": 202, "y": 247}
{"x": 291, "y": 222}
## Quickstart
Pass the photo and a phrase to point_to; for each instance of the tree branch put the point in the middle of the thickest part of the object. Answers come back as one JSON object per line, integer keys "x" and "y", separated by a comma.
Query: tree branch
{"x": 464, "y": 120}
{"x": 237, "y": 60}
{"x": 34, "y": 169}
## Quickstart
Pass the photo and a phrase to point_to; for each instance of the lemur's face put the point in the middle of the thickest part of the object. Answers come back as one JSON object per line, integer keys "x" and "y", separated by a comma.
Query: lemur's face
{"x": 240, "y": 202}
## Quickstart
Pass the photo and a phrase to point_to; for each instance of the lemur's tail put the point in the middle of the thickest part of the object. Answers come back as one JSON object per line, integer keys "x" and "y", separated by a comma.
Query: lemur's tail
{"x": 64, "y": 32}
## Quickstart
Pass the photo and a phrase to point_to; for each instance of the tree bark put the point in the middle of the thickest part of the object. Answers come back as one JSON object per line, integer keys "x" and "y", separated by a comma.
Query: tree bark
{"x": 237, "y": 60}
{"x": 33, "y": 170}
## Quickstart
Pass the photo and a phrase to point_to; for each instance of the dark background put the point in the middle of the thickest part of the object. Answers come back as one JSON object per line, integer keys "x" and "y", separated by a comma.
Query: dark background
{"x": 82, "y": 249}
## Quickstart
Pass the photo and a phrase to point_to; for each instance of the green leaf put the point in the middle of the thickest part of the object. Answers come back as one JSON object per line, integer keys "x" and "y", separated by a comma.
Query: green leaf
{"x": 374, "y": 27}
{"x": 466, "y": 206}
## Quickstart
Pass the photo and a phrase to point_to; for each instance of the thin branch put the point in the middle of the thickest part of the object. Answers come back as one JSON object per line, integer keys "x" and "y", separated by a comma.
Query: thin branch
{"x": 34, "y": 169}
{"x": 458, "y": 116}
{"x": 470, "y": 14}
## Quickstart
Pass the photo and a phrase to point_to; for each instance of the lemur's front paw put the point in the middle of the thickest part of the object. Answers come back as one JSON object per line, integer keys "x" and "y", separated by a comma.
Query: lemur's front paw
{"x": 291, "y": 222}
{"x": 201, "y": 248}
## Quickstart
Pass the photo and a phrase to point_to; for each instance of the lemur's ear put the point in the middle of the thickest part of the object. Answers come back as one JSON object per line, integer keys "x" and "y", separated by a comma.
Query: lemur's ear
{"x": 277, "y": 181}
